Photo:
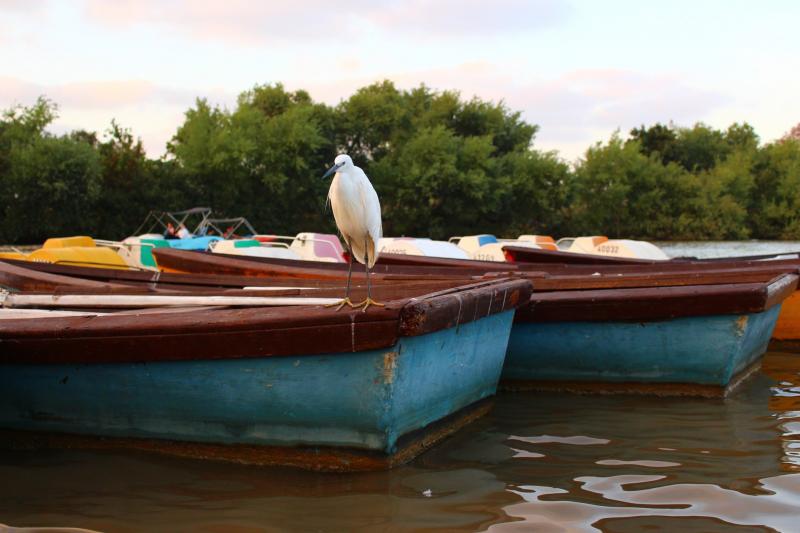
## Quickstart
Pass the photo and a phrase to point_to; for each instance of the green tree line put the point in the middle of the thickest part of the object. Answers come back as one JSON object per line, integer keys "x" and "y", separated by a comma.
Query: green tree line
{"x": 442, "y": 165}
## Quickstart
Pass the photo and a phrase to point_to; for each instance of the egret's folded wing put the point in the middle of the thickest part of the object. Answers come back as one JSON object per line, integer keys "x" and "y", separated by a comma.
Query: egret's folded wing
{"x": 372, "y": 210}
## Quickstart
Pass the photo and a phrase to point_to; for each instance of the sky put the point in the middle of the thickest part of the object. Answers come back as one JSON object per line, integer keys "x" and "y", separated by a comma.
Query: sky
{"x": 578, "y": 69}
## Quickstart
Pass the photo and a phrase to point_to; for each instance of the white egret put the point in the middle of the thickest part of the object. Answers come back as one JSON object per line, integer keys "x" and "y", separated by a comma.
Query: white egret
{"x": 357, "y": 212}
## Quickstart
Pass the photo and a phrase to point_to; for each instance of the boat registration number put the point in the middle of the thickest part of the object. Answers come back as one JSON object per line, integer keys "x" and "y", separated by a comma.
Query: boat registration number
{"x": 608, "y": 249}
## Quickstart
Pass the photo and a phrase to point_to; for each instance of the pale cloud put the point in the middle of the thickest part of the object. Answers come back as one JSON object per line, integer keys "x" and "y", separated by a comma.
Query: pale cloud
{"x": 152, "y": 112}
{"x": 14, "y": 91}
{"x": 469, "y": 17}
{"x": 154, "y": 125}
{"x": 11, "y": 12}
{"x": 253, "y": 23}
{"x": 577, "y": 103}
{"x": 114, "y": 94}
{"x": 236, "y": 21}
{"x": 95, "y": 95}
{"x": 349, "y": 63}
{"x": 21, "y": 6}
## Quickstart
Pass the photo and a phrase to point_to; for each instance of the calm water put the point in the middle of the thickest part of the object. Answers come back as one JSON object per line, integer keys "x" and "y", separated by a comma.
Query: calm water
{"x": 727, "y": 248}
{"x": 537, "y": 462}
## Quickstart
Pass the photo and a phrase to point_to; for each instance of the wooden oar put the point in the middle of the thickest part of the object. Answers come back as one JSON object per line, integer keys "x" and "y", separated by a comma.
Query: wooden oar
{"x": 42, "y": 313}
{"x": 126, "y": 300}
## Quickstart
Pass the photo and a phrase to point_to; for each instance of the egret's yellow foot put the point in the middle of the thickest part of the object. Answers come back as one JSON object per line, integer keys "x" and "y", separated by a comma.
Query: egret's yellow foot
{"x": 366, "y": 303}
{"x": 342, "y": 303}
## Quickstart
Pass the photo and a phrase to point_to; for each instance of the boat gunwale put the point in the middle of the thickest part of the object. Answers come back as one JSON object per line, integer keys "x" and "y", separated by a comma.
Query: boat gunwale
{"x": 609, "y": 265}
{"x": 296, "y": 331}
{"x": 93, "y": 275}
{"x": 195, "y": 263}
{"x": 182, "y": 261}
{"x": 42, "y": 276}
{"x": 657, "y": 303}
{"x": 526, "y": 254}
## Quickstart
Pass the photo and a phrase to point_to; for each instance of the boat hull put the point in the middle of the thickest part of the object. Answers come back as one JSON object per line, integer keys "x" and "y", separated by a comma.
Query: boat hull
{"x": 317, "y": 411}
{"x": 788, "y": 326}
{"x": 700, "y": 355}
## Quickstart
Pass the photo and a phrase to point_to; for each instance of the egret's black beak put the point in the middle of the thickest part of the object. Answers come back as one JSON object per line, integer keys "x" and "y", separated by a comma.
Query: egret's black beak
{"x": 331, "y": 170}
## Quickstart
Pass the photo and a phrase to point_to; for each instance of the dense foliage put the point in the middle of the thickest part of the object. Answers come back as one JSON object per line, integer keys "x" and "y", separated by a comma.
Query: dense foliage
{"x": 442, "y": 166}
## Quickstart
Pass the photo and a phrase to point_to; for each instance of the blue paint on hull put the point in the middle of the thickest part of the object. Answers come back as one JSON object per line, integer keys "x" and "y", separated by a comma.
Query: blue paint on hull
{"x": 192, "y": 243}
{"x": 705, "y": 350}
{"x": 364, "y": 400}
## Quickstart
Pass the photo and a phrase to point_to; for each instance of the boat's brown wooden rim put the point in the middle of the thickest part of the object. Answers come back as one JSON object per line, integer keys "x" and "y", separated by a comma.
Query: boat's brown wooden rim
{"x": 251, "y": 332}
{"x": 657, "y": 303}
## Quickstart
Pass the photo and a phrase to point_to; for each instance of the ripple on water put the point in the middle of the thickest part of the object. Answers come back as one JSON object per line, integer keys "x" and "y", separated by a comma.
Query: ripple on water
{"x": 790, "y": 429}
{"x": 578, "y": 440}
{"x": 641, "y": 462}
{"x": 680, "y": 503}
{"x": 786, "y": 391}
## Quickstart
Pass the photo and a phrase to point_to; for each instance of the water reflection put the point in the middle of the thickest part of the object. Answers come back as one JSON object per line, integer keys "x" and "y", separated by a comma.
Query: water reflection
{"x": 137, "y": 492}
{"x": 557, "y": 462}
{"x": 683, "y": 464}
{"x": 785, "y": 403}
{"x": 625, "y": 497}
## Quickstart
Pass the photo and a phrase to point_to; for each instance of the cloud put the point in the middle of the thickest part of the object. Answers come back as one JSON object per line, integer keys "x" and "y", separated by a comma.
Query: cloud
{"x": 154, "y": 125}
{"x": 13, "y": 34}
{"x": 21, "y": 6}
{"x": 469, "y": 17}
{"x": 95, "y": 95}
{"x": 250, "y": 23}
{"x": 151, "y": 111}
{"x": 14, "y": 91}
{"x": 573, "y": 105}
{"x": 236, "y": 21}
{"x": 114, "y": 94}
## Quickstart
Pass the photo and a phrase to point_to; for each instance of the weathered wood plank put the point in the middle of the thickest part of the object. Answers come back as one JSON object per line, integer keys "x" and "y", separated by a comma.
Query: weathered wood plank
{"x": 151, "y": 300}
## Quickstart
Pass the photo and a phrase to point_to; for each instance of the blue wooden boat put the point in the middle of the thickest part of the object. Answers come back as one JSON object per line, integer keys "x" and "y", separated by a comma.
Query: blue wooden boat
{"x": 305, "y": 386}
{"x": 690, "y": 340}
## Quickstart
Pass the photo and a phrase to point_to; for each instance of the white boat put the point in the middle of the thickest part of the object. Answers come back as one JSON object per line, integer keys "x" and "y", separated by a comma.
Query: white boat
{"x": 601, "y": 245}
{"x": 486, "y": 247}
{"x": 420, "y": 246}
{"x": 305, "y": 246}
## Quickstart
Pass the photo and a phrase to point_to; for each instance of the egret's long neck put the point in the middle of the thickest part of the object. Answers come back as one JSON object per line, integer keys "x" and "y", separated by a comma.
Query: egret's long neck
{"x": 340, "y": 180}
{"x": 343, "y": 178}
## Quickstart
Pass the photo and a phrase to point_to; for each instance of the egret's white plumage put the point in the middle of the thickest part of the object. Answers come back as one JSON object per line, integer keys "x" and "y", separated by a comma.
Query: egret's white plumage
{"x": 356, "y": 209}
